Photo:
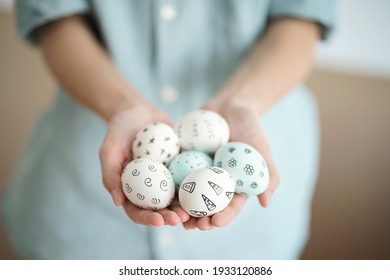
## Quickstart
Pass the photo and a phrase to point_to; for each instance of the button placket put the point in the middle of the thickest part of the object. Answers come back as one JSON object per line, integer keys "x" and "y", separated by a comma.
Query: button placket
{"x": 169, "y": 94}
{"x": 169, "y": 11}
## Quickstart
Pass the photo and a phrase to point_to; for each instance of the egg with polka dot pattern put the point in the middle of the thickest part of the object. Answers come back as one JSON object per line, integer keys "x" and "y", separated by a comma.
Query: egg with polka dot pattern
{"x": 202, "y": 130}
{"x": 206, "y": 191}
{"x": 148, "y": 184}
{"x": 246, "y": 165}
{"x": 186, "y": 162}
{"x": 156, "y": 141}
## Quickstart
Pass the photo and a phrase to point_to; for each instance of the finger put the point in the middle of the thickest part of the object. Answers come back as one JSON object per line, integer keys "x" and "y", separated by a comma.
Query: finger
{"x": 163, "y": 116}
{"x": 274, "y": 179}
{"x": 143, "y": 216}
{"x": 170, "y": 217}
{"x": 190, "y": 223}
{"x": 183, "y": 215}
{"x": 266, "y": 196}
{"x": 227, "y": 215}
{"x": 111, "y": 164}
{"x": 204, "y": 223}
{"x": 262, "y": 146}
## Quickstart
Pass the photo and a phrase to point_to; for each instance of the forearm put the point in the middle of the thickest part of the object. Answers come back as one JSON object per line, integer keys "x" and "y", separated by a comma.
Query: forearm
{"x": 82, "y": 67}
{"x": 280, "y": 60}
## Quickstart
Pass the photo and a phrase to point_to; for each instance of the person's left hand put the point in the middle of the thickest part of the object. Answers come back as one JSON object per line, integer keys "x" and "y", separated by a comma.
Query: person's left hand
{"x": 245, "y": 127}
{"x": 115, "y": 154}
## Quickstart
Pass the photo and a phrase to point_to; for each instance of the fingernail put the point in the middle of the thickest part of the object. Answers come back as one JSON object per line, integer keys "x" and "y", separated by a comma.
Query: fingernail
{"x": 186, "y": 227}
{"x": 115, "y": 197}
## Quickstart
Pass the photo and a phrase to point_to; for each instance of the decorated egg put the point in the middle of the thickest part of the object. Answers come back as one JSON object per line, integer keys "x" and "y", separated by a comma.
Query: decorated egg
{"x": 206, "y": 191}
{"x": 186, "y": 162}
{"x": 246, "y": 165}
{"x": 156, "y": 141}
{"x": 148, "y": 184}
{"x": 202, "y": 130}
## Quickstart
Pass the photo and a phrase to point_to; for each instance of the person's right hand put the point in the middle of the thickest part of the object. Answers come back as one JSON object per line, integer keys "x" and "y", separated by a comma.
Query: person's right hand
{"x": 115, "y": 153}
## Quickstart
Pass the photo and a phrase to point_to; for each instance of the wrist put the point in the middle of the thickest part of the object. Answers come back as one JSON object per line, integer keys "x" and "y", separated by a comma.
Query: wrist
{"x": 121, "y": 100}
{"x": 237, "y": 97}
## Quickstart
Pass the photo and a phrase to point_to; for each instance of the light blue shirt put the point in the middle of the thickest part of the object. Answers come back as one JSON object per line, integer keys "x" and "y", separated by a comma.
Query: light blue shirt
{"x": 178, "y": 54}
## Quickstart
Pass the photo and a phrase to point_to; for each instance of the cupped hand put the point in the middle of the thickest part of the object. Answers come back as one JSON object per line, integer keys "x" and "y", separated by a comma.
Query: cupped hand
{"x": 244, "y": 127}
{"x": 115, "y": 153}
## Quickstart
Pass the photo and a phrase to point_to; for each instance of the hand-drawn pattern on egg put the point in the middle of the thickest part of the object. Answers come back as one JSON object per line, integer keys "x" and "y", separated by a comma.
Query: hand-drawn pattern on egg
{"x": 206, "y": 191}
{"x": 148, "y": 182}
{"x": 209, "y": 204}
{"x": 135, "y": 172}
{"x": 215, "y": 187}
{"x": 216, "y": 170}
{"x": 202, "y": 130}
{"x": 152, "y": 168}
{"x": 164, "y": 185}
{"x": 188, "y": 187}
{"x": 195, "y": 213}
{"x": 149, "y": 187}
{"x": 246, "y": 165}
{"x": 229, "y": 194}
{"x": 128, "y": 188}
{"x": 156, "y": 141}
{"x": 186, "y": 162}
{"x": 155, "y": 201}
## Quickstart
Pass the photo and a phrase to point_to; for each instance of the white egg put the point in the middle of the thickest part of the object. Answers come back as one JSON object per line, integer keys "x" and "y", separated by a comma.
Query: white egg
{"x": 246, "y": 165}
{"x": 156, "y": 141}
{"x": 206, "y": 191}
{"x": 202, "y": 130}
{"x": 148, "y": 184}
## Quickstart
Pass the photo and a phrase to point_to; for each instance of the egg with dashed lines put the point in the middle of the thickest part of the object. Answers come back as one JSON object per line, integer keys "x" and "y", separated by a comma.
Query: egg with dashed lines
{"x": 206, "y": 191}
{"x": 148, "y": 184}
{"x": 246, "y": 165}
{"x": 156, "y": 141}
{"x": 186, "y": 162}
{"x": 202, "y": 130}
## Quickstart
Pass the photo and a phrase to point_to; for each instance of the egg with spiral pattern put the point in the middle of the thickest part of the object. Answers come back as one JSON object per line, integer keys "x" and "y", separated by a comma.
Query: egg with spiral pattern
{"x": 148, "y": 184}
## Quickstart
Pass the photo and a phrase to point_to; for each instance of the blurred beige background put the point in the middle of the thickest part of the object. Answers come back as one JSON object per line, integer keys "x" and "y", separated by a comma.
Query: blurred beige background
{"x": 351, "y": 203}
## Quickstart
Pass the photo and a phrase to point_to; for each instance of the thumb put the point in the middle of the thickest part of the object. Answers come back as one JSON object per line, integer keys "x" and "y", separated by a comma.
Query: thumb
{"x": 111, "y": 165}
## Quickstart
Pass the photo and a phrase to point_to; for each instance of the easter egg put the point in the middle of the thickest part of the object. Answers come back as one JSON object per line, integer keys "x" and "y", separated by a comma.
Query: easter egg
{"x": 206, "y": 191}
{"x": 148, "y": 184}
{"x": 246, "y": 165}
{"x": 202, "y": 130}
{"x": 186, "y": 162}
{"x": 156, "y": 141}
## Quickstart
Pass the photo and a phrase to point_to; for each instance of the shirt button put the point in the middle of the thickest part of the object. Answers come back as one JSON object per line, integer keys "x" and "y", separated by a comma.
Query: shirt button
{"x": 168, "y": 12}
{"x": 166, "y": 239}
{"x": 169, "y": 94}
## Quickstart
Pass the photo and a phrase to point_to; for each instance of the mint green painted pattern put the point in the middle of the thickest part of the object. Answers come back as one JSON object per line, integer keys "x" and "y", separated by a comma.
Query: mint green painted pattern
{"x": 245, "y": 165}
{"x": 186, "y": 162}
{"x": 55, "y": 207}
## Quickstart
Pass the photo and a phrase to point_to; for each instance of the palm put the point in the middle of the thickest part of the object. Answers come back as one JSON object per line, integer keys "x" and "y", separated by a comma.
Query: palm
{"x": 244, "y": 127}
{"x": 115, "y": 153}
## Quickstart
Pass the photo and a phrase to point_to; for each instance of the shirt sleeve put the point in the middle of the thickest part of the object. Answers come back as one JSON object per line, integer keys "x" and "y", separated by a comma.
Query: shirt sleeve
{"x": 32, "y": 14}
{"x": 321, "y": 11}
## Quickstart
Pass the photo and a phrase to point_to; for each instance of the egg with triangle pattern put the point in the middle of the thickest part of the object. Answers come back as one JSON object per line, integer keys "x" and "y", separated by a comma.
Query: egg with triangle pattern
{"x": 206, "y": 191}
